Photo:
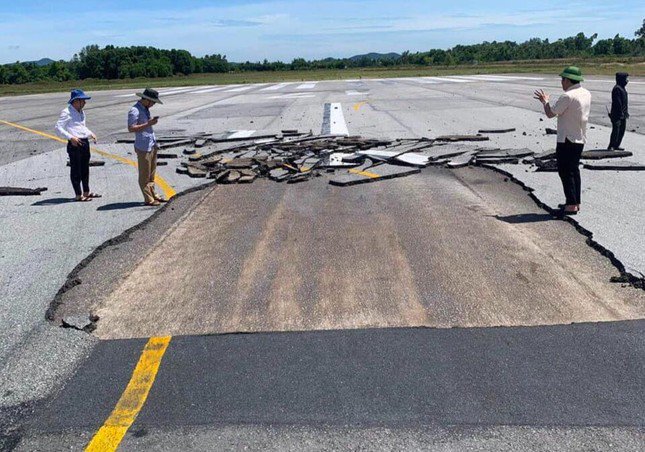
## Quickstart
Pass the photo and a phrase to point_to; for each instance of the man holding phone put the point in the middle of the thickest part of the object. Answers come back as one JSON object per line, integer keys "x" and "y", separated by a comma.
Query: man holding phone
{"x": 145, "y": 143}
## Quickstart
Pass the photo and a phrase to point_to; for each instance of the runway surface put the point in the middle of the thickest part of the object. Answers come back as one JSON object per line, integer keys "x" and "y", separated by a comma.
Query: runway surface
{"x": 439, "y": 249}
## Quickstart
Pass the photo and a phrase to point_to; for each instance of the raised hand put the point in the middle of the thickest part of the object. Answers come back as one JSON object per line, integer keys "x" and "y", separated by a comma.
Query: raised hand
{"x": 541, "y": 96}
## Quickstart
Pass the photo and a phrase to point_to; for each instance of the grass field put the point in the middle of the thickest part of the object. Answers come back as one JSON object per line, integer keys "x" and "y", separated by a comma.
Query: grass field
{"x": 589, "y": 67}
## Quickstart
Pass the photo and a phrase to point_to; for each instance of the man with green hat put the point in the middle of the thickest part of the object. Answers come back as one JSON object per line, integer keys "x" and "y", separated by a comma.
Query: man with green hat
{"x": 572, "y": 110}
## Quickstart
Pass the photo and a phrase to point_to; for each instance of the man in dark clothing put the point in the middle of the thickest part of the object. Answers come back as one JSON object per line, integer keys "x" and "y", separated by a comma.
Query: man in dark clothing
{"x": 619, "y": 112}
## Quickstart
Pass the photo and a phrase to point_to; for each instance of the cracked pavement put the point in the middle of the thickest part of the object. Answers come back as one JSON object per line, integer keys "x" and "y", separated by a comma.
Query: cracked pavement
{"x": 416, "y": 240}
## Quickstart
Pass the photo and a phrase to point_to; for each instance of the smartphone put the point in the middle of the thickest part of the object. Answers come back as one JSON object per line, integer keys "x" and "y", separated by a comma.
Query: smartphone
{"x": 155, "y": 117}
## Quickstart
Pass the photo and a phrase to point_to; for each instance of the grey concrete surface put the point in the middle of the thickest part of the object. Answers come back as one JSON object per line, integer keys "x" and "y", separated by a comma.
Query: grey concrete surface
{"x": 42, "y": 243}
{"x": 297, "y": 438}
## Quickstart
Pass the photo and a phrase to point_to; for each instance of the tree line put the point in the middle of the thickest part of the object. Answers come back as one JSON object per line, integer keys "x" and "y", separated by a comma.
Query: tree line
{"x": 110, "y": 62}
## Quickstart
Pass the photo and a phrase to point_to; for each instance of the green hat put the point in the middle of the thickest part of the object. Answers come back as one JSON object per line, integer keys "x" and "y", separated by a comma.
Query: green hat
{"x": 572, "y": 73}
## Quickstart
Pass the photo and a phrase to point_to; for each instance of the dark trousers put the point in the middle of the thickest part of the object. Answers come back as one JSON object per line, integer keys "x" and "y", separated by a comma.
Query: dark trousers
{"x": 568, "y": 155}
{"x": 617, "y": 132}
{"x": 79, "y": 161}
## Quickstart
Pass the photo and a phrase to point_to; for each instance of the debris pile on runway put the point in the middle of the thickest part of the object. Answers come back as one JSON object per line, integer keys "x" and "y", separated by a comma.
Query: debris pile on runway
{"x": 292, "y": 156}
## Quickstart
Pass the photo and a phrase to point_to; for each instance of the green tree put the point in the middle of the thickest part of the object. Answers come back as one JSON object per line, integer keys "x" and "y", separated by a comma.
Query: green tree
{"x": 640, "y": 33}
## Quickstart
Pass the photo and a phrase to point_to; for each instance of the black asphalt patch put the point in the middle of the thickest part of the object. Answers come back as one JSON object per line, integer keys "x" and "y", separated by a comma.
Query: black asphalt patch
{"x": 570, "y": 375}
{"x": 90, "y": 396}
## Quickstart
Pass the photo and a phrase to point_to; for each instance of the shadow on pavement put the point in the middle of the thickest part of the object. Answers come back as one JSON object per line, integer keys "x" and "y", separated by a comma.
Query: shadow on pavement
{"x": 120, "y": 205}
{"x": 525, "y": 218}
{"x": 53, "y": 201}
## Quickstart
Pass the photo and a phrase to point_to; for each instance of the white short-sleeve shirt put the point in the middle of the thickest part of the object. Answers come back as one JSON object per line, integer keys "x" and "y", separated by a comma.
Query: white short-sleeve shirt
{"x": 572, "y": 109}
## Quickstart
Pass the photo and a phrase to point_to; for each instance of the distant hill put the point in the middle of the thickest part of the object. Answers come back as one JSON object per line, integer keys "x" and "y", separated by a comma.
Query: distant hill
{"x": 42, "y": 62}
{"x": 376, "y": 56}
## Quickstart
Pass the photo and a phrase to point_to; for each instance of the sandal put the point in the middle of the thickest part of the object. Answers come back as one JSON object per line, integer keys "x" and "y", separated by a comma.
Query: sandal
{"x": 154, "y": 203}
{"x": 82, "y": 199}
{"x": 93, "y": 195}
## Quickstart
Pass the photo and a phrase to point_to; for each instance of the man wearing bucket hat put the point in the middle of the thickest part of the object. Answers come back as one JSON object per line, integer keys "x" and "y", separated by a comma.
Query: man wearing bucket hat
{"x": 71, "y": 126}
{"x": 145, "y": 143}
{"x": 619, "y": 112}
{"x": 572, "y": 110}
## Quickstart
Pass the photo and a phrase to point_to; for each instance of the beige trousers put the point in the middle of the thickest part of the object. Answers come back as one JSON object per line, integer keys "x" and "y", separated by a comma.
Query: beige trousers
{"x": 147, "y": 164}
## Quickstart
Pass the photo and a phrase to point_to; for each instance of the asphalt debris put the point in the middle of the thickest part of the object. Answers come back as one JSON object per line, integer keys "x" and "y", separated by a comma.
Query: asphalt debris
{"x": 20, "y": 191}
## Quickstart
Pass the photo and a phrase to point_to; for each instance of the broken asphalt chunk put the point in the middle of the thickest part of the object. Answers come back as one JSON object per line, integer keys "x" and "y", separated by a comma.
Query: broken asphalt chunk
{"x": 93, "y": 163}
{"x": 620, "y": 165}
{"x": 455, "y": 138}
{"x": 546, "y": 165}
{"x": 194, "y": 171}
{"x": 496, "y": 130}
{"x": 86, "y": 323}
{"x": 20, "y": 191}
{"x": 598, "y": 154}
{"x": 166, "y": 155}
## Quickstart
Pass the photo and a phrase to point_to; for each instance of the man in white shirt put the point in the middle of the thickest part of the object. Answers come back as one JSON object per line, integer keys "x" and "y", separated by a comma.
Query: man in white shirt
{"x": 572, "y": 110}
{"x": 71, "y": 125}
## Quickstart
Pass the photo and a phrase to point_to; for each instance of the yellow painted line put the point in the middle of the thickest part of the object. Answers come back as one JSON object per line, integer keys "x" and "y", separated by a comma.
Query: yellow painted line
{"x": 168, "y": 191}
{"x": 133, "y": 398}
{"x": 365, "y": 173}
{"x": 359, "y": 105}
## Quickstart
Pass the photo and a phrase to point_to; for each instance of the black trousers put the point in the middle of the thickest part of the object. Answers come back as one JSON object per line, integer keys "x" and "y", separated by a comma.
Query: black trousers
{"x": 568, "y": 155}
{"x": 79, "y": 161}
{"x": 618, "y": 127}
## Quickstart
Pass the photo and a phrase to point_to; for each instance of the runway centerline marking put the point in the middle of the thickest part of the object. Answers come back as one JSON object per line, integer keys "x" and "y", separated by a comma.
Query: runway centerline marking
{"x": 334, "y": 120}
{"x": 111, "y": 433}
{"x": 169, "y": 192}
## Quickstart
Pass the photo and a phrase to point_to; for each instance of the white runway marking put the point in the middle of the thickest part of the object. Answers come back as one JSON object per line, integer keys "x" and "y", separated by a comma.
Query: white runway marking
{"x": 352, "y": 92}
{"x": 241, "y": 133}
{"x": 209, "y": 89}
{"x": 161, "y": 92}
{"x": 275, "y": 87}
{"x": 423, "y": 80}
{"x": 494, "y": 78}
{"x": 239, "y": 89}
{"x": 449, "y": 79}
{"x": 175, "y": 91}
{"x": 337, "y": 125}
{"x": 308, "y": 85}
{"x": 293, "y": 96}
{"x": 477, "y": 78}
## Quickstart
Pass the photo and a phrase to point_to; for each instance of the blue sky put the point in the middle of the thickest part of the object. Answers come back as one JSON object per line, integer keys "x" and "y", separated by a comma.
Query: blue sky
{"x": 282, "y": 30}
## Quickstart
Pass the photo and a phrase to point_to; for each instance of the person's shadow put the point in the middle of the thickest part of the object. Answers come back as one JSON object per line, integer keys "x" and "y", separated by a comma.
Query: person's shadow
{"x": 53, "y": 201}
{"x": 121, "y": 205}
{"x": 525, "y": 218}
